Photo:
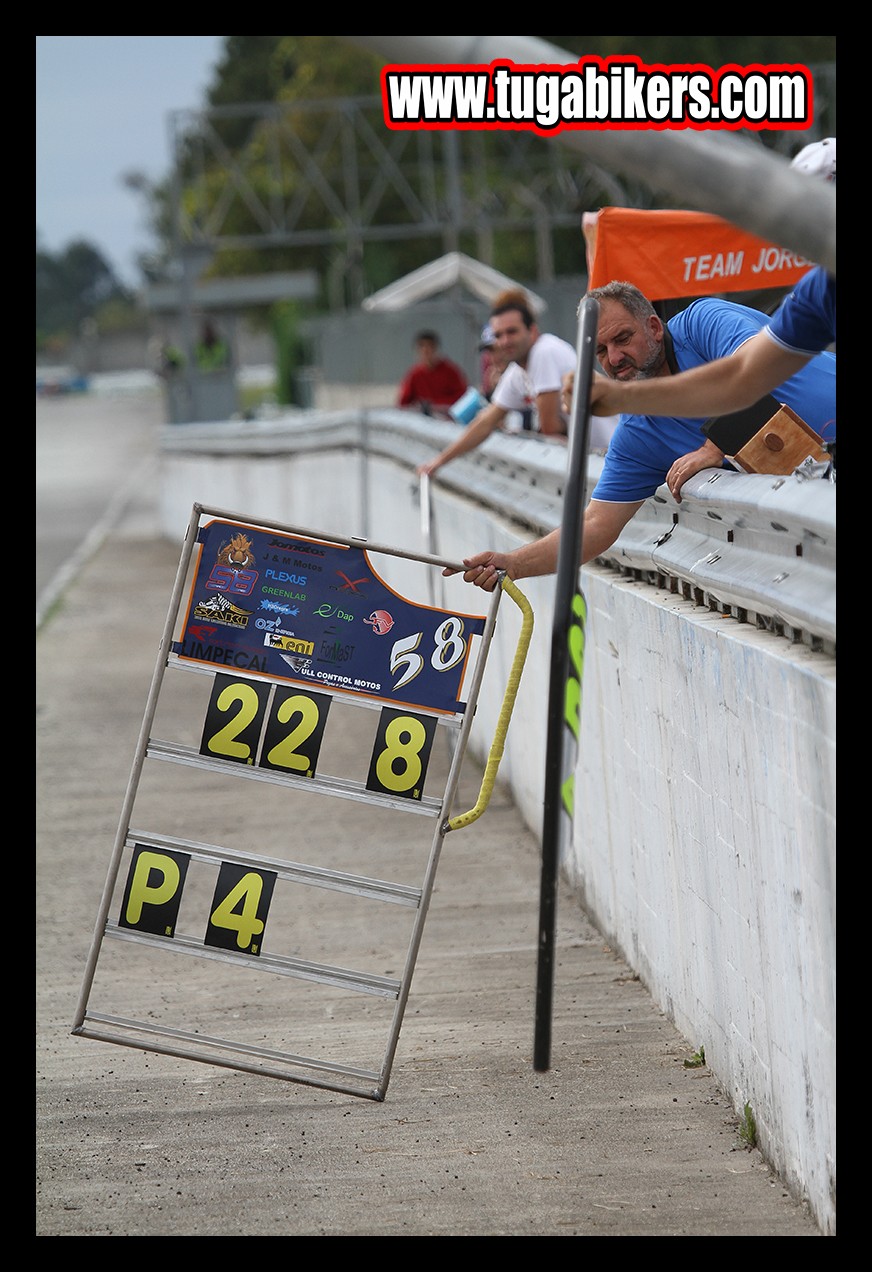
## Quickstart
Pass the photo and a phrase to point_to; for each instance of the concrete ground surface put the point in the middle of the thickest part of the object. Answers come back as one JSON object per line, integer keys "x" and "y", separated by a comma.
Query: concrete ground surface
{"x": 619, "y": 1137}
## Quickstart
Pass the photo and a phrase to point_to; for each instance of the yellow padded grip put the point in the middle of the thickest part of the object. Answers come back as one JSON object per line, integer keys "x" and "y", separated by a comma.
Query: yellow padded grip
{"x": 496, "y": 750}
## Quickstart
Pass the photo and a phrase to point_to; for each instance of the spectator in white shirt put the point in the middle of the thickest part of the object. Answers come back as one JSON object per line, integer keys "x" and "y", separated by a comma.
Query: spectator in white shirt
{"x": 531, "y": 382}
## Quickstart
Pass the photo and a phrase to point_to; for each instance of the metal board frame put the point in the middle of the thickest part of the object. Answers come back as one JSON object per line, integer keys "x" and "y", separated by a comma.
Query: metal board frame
{"x": 158, "y": 846}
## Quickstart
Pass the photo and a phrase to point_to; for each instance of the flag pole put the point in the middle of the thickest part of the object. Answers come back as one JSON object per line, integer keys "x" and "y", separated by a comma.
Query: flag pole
{"x": 564, "y": 698}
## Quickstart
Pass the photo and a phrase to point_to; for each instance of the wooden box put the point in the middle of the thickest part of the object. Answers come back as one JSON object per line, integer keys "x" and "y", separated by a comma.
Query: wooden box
{"x": 781, "y": 445}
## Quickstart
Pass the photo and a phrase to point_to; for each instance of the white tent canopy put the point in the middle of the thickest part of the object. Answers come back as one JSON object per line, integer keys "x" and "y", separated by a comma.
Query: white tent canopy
{"x": 448, "y": 271}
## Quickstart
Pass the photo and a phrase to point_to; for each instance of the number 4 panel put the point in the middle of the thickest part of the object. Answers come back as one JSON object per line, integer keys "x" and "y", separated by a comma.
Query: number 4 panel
{"x": 237, "y": 915}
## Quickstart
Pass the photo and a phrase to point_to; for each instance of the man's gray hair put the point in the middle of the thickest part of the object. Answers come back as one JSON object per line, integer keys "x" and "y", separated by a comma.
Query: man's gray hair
{"x": 625, "y": 294}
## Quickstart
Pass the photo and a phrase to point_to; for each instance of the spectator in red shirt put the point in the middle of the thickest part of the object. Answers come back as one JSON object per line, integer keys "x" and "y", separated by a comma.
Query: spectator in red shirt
{"x": 434, "y": 383}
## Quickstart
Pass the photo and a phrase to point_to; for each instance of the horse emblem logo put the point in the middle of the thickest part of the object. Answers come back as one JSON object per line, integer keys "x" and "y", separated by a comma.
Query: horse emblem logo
{"x": 380, "y": 621}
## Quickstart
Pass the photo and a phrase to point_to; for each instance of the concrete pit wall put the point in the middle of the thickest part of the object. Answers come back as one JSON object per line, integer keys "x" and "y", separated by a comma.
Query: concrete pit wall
{"x": 703, "y": 844}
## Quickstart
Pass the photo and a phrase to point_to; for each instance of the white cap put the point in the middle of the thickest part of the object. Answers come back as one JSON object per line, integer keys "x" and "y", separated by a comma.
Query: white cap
{"x": 817, "y": 159}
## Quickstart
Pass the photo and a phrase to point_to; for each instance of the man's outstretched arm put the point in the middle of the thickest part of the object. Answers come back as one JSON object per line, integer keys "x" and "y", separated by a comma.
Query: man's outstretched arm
{"x": 603, "y": 522}
{"x": 487, "y": 421}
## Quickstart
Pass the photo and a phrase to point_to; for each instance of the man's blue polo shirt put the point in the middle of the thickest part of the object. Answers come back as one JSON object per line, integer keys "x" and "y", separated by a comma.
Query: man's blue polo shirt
{"x": 643, "y": 447}
{"x": 805, "y": 321}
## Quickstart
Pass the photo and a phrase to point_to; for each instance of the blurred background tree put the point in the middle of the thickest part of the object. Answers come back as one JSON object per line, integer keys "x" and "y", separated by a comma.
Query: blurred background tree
{"x": 72, "y": 287}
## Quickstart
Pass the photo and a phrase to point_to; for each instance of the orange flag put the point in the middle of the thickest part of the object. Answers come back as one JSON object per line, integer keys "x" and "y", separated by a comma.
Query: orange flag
{"x": 672, "y": 255}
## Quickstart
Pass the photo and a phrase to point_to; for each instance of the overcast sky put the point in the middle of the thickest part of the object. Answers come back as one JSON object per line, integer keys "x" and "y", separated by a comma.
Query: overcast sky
{"x": 102, "y": 109}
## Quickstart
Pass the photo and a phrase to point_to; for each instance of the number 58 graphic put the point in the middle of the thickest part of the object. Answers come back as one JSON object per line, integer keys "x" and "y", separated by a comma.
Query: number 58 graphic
{"x": 448, "y": 651}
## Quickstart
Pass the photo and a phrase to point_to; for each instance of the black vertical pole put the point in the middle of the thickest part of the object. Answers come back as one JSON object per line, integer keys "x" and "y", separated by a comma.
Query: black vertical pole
{"x": 563, "y": 706}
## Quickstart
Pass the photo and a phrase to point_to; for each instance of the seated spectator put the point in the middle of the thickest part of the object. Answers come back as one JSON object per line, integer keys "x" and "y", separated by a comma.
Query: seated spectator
{"x": 493, "y": 361}
{"x": 531, "y": 382}
{"x": 171, "y": 360}
{"x": 434, "y": 383}
{"x": 212, "y": 353}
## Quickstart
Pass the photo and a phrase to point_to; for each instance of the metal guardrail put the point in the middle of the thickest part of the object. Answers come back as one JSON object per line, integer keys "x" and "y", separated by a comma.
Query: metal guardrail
{"x": 762, "y": 549}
